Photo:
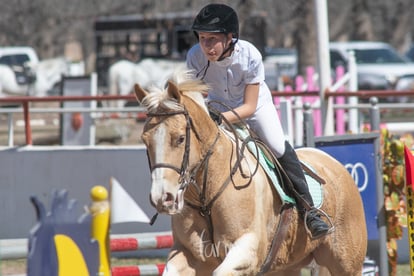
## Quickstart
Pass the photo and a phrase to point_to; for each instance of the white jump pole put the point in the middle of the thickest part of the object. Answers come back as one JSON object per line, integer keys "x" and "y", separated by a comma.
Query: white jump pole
{"x": 321, "y": 16}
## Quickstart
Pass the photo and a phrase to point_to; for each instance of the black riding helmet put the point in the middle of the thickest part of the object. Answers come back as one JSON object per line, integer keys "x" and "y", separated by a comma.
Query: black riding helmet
{"x": 216, "y": 18}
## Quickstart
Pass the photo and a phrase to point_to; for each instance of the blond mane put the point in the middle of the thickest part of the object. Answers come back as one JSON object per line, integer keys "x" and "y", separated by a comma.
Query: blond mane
{"x": 186, "y": 83}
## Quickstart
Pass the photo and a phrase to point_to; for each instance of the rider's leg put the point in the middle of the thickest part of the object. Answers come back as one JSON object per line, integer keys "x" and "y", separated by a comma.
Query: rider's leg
{"x": 293, "y": 169}
{"x": 270, "y": 131}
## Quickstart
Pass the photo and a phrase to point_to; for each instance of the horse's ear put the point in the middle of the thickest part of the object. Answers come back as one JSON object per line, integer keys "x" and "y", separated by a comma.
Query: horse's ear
{"x": 139, "y": 92}
{"x": 173, "y": 90}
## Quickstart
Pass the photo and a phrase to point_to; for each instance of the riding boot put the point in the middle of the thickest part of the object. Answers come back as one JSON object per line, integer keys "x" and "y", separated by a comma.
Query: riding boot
{"x": 291, "y": 165}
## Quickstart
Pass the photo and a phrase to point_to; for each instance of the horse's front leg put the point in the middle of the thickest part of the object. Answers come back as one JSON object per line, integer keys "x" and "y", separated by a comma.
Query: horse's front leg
{"x": 182, "y": 262}
{"x": 241, "y": 258}
{"x": 178, "y": 263}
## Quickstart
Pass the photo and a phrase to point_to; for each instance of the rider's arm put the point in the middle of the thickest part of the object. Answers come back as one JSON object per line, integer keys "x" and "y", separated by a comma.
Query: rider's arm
{"x": 251, "y": 95}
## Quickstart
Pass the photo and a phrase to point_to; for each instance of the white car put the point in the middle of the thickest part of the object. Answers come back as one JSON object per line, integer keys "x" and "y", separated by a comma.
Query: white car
{"x": 13, "y": 56}
{"x": 378, "y": 64}
{"x": 20, "y": 60}
{"x": 279, "y": 63}
{"x": 410, "y": 53}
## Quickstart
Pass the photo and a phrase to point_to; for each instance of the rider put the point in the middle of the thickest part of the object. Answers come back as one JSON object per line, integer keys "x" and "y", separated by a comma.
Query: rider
{"x": 234, "y": 71}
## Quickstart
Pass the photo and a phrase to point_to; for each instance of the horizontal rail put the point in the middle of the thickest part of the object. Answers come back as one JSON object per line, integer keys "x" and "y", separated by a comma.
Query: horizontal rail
{"x": 25, "y": 100}
{"x": 138, "y": 270}
{"x": 133, "y": 243}
{"x": 371, "y": 93}
{"x": 75, "y": 109}
{"x": 18, "y": 248}
{"x": 315, "y": 93}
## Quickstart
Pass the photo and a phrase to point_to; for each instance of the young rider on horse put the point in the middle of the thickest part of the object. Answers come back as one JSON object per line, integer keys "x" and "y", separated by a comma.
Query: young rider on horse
{"x": 234, "y": 71}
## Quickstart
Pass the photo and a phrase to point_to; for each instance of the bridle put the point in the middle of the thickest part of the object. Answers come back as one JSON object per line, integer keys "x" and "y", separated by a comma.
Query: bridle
{"x": 183, "y": 171}
{"x": 187, "y": 176}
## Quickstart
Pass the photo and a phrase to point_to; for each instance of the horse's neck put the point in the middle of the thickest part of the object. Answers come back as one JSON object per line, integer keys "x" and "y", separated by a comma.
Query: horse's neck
{"x": 48, "y": 73}
{"x": 218, "y": 164}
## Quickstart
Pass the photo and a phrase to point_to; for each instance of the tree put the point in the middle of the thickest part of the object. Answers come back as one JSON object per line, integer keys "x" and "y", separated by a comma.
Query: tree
{"x": 305, "y": 35}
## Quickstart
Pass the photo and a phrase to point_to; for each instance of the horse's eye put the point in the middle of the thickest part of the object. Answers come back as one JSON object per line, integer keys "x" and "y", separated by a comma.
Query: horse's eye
{"x": 180, "y": 140}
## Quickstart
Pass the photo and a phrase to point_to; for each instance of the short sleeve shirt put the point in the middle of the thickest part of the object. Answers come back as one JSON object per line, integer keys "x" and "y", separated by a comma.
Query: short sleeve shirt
{"x": 228, "y": 78}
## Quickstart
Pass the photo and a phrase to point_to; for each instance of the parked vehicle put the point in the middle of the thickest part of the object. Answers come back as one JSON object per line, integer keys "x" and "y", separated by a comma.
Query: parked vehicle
{"x": 19, "y": 59}
{"x": 404, "y": 83}
{"x": 279, "y": 63}
{"x": 379, "y": 65}
{"x": 410, "y": 53}
{"x": 17, "y": 56}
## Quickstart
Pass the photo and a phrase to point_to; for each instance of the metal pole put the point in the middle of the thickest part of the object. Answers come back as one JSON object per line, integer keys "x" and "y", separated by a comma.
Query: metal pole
{"x": 286, "y": 119}
{"x": 326, "y": 105}
{"x": 382, "y": 227}
{"x": 27, "y": 128}
{"x": 94, "y": 92}
{"x": 381, "y": 222}
{"x": 298, "y": 122}
{"x": 11, "y": 129}
{"x": 374, "y": 114}
{"x": 353, "y": 87}
{"x": 308, "y": 134}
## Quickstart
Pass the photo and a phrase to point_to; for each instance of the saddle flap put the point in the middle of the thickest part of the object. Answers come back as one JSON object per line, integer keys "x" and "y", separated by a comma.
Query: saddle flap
{"x": 272, "y": 168}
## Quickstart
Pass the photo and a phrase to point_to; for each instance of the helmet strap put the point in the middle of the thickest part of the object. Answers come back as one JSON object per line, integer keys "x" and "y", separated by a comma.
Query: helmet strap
{"x": 204, "y": 70}
{"x": 229, "y": 48}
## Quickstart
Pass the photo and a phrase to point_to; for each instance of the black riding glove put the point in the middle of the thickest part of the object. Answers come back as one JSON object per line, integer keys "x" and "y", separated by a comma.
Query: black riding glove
{"x": 216, "y": 116}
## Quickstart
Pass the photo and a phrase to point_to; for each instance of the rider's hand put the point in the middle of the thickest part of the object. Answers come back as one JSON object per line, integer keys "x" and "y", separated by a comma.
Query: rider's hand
{"x": 216, "y": 116}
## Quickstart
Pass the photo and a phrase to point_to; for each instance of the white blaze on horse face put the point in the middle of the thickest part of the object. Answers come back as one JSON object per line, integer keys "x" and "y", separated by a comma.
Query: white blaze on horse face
{"x": 164, "y": 180}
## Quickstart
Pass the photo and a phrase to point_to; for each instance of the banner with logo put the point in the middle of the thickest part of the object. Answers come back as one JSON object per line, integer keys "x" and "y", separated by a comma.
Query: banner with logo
{"x": 359, "y": 154}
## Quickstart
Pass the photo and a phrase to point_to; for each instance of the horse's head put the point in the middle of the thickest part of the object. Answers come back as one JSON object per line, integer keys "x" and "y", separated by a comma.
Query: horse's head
{"x": 175, "y": 134}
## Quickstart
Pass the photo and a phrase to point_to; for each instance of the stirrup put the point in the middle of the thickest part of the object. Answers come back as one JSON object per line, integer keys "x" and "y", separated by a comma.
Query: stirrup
{"x": 322, "y": 213}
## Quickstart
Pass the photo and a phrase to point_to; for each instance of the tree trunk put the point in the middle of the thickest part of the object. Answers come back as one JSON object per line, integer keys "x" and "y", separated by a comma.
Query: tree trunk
{"x": 305, "y": 36}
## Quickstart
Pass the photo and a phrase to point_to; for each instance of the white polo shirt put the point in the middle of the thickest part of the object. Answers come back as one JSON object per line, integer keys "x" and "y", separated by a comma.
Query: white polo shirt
{"x": 228, "y": 78}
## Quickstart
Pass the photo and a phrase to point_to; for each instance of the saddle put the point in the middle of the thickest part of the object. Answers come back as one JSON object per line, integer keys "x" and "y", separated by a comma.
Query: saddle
{"x": 275, "y": 171}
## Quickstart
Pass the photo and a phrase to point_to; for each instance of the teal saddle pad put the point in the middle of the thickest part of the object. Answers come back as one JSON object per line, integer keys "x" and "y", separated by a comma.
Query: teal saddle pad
{"x": 315, "y": 187}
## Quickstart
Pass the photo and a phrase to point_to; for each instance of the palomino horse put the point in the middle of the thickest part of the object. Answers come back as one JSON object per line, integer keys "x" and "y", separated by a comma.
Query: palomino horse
{"x": 226, "y": 216}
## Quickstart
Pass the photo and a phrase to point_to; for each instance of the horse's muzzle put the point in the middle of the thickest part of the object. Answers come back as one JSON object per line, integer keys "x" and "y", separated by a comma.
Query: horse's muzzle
{"x": 169, "y": 203}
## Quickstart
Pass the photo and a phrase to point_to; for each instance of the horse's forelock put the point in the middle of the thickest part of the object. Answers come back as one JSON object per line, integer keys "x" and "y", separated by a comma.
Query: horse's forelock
{"x": 159, "y": 99}
{"x": 186, "y": 83}
{"x": 191, "y": 86}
